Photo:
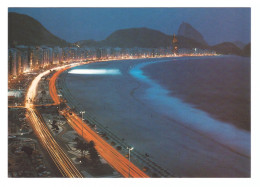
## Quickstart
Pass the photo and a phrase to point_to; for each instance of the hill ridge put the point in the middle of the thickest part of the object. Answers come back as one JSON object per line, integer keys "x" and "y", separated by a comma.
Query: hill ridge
{"x": 25, "y": 30}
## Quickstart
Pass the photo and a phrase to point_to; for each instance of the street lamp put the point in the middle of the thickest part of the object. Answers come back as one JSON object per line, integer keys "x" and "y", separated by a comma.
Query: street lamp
{"x": 59, "y": 106}
{"x": 82, "y": 112}
{"x": 59, "y": 100}
{"x": 129, "y": 151}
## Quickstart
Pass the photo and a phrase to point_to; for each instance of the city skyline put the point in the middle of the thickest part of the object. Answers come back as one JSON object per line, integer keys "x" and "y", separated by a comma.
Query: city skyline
{"x": 74, "y": 24}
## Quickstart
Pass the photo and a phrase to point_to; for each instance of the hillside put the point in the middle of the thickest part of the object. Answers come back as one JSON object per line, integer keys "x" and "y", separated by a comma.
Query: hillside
{"x": 25, "y": 30}
{"x": 247, "y": 50}
{"x": 227, "y": 48}
{"x": 187, "y": 31}
{"x": 239, "y": 44}
{"x": 89, "y": 43}
{"x": 141, "y": 37}
{"x": 138, "y": 37}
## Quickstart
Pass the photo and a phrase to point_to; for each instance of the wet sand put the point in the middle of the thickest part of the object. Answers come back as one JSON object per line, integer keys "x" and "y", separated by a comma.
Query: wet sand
{"x": 115, "y": 101}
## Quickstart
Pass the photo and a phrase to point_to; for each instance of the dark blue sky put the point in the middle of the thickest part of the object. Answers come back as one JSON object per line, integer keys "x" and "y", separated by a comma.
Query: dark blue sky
{"x": 73, "y": 24}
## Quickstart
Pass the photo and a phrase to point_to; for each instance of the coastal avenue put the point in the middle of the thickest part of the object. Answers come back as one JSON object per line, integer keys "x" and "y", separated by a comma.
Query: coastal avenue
{"x": 60, "y": 159}
{"x": 110, "y": 154}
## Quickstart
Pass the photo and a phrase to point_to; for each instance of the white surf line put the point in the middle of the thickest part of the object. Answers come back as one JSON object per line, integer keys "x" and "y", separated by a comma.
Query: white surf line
{"x": 226, "y": 134}
{"x": 95, "y": 71}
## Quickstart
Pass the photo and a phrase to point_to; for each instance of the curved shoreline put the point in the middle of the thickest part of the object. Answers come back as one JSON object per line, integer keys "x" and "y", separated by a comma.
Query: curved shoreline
{"x": 142, "y": 160}
{"x": 167, "y": 142}
{"x": 227, "y": 135}
{"x": 218, "y": 86}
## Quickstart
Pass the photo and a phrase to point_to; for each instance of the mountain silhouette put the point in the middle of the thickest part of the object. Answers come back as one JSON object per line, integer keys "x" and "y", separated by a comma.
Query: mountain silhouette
{"x": 142, "y": 38}
{"x": 188, "y": 31}
{"x": 239, "y": 44}
{"x": 227, "y": 48}
{"x": 25, "y": 30}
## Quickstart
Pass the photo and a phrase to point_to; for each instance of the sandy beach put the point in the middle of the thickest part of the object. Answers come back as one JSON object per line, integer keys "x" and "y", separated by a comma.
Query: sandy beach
{"x": 117, "y": 102}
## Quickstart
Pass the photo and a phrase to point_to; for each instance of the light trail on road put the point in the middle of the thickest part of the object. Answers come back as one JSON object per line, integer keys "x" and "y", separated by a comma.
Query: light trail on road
{"x": 32, "y": 91}
{"x": 61, "y": 160}
{"x": 53, "y": 90}
{"x": 110, "y": 154}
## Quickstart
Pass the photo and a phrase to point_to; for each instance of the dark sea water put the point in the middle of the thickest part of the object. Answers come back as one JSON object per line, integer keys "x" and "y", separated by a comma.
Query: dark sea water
{"x": 190, "y": 114}
{"x": 219, "y": 86}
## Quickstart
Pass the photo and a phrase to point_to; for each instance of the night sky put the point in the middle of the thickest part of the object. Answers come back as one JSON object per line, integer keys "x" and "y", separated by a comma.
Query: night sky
{"x": 74, "y": 24}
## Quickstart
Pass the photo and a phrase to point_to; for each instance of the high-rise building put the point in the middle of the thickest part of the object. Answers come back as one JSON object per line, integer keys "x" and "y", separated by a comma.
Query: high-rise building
{"x": 19, "y": 62}
{"x": 12, "y": 63}
{"x": 73, "y": 54}
{"x": 47, "y": 57}
{"x": 23, "y": 59}
{"x": 57, "y": 55}
{"x": 98, "y": 53}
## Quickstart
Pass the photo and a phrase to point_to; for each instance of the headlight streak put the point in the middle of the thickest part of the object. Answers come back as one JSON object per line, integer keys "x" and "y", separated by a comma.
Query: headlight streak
{"x": 95, "y": 71}
{"x": 61, "y": 160}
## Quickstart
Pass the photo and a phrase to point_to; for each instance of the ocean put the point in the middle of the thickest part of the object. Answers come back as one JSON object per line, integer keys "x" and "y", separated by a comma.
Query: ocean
{"x": 217, "y": 85}
{"x": 191, "y": 114}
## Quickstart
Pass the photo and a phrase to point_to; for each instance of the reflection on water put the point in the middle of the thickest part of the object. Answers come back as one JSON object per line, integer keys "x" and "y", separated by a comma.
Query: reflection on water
{"x": 96, "y": 71}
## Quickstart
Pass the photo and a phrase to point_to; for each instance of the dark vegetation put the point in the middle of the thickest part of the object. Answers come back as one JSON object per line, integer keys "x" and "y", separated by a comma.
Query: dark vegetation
{"x": 90, "y": 148}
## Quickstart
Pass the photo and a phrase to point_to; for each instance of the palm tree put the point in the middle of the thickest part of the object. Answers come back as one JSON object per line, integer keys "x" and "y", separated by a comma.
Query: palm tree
{"x": 82, "y": 146}
{"x": 93, "y": 153}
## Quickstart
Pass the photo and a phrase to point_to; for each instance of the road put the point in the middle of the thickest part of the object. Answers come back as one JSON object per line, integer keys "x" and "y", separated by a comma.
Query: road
{"x": 61, "y": 160}
{"x": 110, "y": 154}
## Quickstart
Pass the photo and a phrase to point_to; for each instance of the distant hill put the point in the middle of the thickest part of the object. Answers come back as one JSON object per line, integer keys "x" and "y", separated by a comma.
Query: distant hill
{"x": 187, "y": 31}
{"x": 138, "y": 37}
{"x": 247, "y": 50}
{"x": 129, "y": 38}
{"x": 25, "y": 30}
{"x": 239, "y": 44}
{"x": 88, "y": 43}
{"x": 227, "y": 48}
{"x": 190, "y": 43}
{"x": 141, "y": 37}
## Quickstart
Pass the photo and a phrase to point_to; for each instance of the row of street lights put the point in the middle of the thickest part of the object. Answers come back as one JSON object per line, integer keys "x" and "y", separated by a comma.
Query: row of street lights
{"x": 82, "y": 112}
{"x": 59, "y": 105}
